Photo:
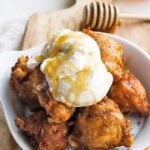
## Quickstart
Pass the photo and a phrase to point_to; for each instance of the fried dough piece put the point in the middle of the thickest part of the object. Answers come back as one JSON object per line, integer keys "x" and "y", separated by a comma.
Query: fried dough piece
{"x": 20, "y": 82}
{"x": 111, "y": 53}
{"x": 101, "y": 126}
{"x": 57, "y": 111}
{"x": 48, "y": 136}
{"x": 130, "y": 95}
{"x": 31, "y": 86}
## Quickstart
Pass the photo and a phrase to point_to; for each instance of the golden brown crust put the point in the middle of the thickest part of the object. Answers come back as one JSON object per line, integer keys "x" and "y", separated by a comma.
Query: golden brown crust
{"x": 48, "y": 136}
{"x": 130, "y": 95}
{"x": 101, "y": 126}
{"x": 57, "y": 111}
{"x": 23, "y": 84}
{"x": 111, "y": 53}
{"x": 20, "y": 69}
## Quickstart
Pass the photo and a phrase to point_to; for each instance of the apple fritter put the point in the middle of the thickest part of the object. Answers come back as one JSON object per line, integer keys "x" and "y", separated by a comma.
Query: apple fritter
{"x": 130, "y": 95}
{"x": 23, "y": 84}
{"x": 111, "y": 53}
{"x": 44, "y": 135}
{"x": 101, "y": 126}
{"x": 57, "y": 111}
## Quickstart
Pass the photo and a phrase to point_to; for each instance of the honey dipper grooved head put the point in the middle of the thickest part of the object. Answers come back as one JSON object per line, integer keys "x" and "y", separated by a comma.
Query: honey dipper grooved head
{"x": 100, "y": 16}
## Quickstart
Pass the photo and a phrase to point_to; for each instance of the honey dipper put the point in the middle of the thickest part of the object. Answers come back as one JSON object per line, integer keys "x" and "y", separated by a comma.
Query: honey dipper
{"x": 102, "y": 16}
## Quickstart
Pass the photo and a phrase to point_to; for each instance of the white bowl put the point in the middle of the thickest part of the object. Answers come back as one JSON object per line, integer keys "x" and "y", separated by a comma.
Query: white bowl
{"x": 137, "y": 60}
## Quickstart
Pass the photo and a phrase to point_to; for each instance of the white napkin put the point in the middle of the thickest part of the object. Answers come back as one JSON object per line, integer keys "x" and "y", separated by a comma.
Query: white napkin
{"x": 11, "y": 34}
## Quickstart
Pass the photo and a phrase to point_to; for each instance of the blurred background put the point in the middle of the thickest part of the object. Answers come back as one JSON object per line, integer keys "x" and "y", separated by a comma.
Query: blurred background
{"x": 24, "y": 8}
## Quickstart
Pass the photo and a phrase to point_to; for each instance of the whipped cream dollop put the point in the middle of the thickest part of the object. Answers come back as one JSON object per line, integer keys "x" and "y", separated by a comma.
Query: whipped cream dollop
{"x": 72, "y": 65}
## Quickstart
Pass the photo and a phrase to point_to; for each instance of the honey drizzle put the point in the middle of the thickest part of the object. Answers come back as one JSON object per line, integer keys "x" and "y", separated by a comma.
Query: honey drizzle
{"x": 53, "y": 63}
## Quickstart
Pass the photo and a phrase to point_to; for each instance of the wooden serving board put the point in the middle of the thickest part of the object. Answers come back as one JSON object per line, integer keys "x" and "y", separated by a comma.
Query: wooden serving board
{"x": 41, "y": 24}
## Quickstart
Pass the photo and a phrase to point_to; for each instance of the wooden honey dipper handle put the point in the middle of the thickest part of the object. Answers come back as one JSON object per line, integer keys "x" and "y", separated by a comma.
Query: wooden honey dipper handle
{"x": 134, "y": 16}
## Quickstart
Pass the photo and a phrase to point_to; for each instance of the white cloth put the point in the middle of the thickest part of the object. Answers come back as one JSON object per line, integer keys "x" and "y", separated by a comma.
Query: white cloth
{"x": 11, "y": 34}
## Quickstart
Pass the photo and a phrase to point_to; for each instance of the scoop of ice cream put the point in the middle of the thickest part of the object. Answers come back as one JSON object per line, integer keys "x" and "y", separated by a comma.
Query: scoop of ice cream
{"x": 74, "y": 70}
